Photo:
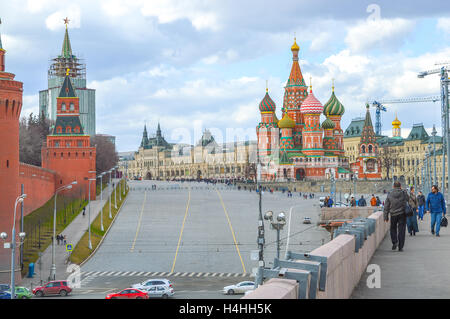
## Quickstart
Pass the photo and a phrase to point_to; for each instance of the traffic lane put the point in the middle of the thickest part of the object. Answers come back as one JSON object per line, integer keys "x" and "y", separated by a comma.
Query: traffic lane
{"x": 207, "y": 244}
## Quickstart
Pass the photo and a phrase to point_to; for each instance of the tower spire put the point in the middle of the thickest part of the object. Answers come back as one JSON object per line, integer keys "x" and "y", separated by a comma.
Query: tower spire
{"x": 66, "y": 51}
{"x": 1, "y": 47}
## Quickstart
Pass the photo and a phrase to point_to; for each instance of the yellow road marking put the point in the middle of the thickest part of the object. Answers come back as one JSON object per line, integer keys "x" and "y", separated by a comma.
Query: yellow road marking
{"x": 181, "y": 232}
{"x": 139, "y": 222}
{"x": 232, "y": 232}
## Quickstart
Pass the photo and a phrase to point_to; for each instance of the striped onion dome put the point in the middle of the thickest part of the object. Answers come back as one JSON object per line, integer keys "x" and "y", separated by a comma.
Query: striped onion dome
{"x": 396, "y": 123}
{"x": 311, "y": 104}
{"x": 333, "y": 106}
{"x": 267, "y": 105}
{"x": 286, "y": 122}
{"x": 328, "y": 124}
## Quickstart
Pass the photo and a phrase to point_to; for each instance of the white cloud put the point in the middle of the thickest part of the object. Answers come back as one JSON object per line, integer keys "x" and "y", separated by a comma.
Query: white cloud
{"x": 55, "y": 21}
{"x": 375, "y": 34}
{"x": 444, "y": 24}
{"x": 30, "y": 104}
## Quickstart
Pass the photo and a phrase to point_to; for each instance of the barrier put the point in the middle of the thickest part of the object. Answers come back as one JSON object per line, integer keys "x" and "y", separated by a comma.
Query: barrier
{"x": 332, "y": 270}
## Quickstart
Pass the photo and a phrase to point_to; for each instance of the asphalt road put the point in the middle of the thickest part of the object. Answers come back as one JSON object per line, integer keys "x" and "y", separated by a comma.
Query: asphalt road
{"x": 194, "y": 233}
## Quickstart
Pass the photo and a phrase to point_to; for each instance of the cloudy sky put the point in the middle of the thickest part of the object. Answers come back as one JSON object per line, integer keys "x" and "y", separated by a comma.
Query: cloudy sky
{"x": 202, "y": 64}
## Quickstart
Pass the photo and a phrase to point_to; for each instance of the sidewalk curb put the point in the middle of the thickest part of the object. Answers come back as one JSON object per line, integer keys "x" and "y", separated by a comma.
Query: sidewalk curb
{"x": 106, "y": 233}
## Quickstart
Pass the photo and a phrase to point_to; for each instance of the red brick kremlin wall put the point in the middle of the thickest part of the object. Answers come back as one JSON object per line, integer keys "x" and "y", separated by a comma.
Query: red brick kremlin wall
{"x": 39, "y": 185}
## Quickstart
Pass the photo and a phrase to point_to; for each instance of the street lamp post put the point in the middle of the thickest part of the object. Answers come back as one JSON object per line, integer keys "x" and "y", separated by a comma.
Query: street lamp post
{"x": 434, "y": 132}
{"x": 277, "y": 225}
{"x": 89, "y": 213}
{"x": 101, "y": 199}
{"x": 110, "y": 194}
{"x": 13, "y": 244}
{"x": 429, "y": 163}
{"x": 115, "y": 190}
{"x": 53, "y": 267}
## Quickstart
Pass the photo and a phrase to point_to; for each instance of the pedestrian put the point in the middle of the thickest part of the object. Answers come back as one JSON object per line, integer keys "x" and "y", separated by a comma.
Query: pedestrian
{"x": 411, "y": 220}
{"x": 330, "y": 202}
{"x": 395, "y": 205}
{"x": 373, "y": 201}
{"x": 353, "y": 202}
{"x": 362, "y": 202}
{"x": 435, "y": 205}
{"x": 57, "y": 239}
{"x": 65, "y": 242}
{"x": 84, "y": 211}
{"x": 378, "y": 201}
{"x": 420, "y": 205}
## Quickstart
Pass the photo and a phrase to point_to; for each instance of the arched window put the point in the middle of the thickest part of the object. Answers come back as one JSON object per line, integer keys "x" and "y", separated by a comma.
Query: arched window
{"x": 370, "y": 148}
{"x": 363, "y": 149}
{"x": 63, "y": 106}
{"x": 72, "y": 107}
{"x": 68, "y": 129}
{"x": 58, "y": 129}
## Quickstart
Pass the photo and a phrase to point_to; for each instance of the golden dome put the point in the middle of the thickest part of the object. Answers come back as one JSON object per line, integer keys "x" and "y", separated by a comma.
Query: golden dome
{"x": 396, "y": 123}
{"x": 295, "y": 46}
{"x": 286, "y": 122}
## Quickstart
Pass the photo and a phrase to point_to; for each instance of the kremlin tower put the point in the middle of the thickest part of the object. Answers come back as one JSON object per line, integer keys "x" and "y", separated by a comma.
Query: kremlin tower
{"x": 10, "y": 107}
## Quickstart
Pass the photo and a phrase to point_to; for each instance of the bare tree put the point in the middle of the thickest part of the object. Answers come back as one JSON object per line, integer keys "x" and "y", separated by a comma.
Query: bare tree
{"x": 33, "y": 133}
{"x": 107, "y": 156}
{"x": 387, "y": 159}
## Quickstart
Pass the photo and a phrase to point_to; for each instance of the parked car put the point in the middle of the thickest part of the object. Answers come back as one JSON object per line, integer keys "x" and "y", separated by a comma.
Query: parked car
{"x": 341, "y": 204}
{"x": 5, "y": 295}
{"x": 160, "y": 292}
{"x": 21, "y": 293}
{"x": 307, "y": 220}
{"x": 57, "y": 287}
{"x": 128, "y": 293}
{"x": 145, "y": 285}
{"x": 239, "y": 288}
{"x": 4, "y": 287}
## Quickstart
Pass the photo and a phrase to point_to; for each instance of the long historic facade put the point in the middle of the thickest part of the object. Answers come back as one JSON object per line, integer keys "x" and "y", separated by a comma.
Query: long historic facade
{"x": 300, "y": 146}
{"x": 158, "y": 159}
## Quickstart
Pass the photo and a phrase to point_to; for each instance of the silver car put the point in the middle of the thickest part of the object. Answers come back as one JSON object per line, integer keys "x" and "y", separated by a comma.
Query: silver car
{"x": 150, "y": 283}
{"x": 239, "y": 288}
{"x": 160, "y": 292}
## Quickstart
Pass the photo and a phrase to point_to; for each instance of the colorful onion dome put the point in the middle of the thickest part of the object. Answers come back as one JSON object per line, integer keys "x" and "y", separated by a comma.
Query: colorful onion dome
{"x": 286, "y": 122}
{"x": 295, "y": 46}
{"x": 396, "y": 123}
{"x": 333, "y": 106}
{"x": 328, "y": 124}
{"x": 267, "y": 105}
{"x": 311, "y": 104}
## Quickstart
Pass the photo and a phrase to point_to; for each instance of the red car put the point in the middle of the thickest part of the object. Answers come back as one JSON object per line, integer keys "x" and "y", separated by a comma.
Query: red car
{"x": 58, "y": 287}
{"x": 129, "y": 293}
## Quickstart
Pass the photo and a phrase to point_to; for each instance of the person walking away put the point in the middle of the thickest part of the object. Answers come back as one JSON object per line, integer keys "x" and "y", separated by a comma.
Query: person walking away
{"x": 373, "y": 201}
{"x": 395, "y": 206}
{"x": 420, "y": 205}
{"x": 65, "y": 242}
{"x": 353, "y": 202}
{"x": 57, "y": 239}
{"x": 362, "y": 202}
{"x": 411, "y": 221}
{"x": 330, "y": 202}
{"x": 378, "y": 201}
{"x": 84, "y": 211}
{"x": 435, "y": 205}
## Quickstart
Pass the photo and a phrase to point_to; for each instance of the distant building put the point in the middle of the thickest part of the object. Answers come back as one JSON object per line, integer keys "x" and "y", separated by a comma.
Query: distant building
{"x": 77, "y": 72}
{"x": 158, "y": 159}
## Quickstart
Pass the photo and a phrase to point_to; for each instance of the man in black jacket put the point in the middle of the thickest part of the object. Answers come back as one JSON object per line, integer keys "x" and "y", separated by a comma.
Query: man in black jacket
{"x": 421, "y": 205}
{"x": 395, "y": 205}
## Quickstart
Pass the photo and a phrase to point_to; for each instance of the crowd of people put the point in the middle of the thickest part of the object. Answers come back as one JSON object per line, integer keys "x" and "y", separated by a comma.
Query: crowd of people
{"x": 405, "y": 210}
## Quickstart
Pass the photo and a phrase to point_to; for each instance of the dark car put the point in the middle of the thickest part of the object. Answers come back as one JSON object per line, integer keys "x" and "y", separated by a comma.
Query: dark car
{"x": 4, "y": 287}
{"x": 5, "y": 295}
{"x": 57, "y": 287}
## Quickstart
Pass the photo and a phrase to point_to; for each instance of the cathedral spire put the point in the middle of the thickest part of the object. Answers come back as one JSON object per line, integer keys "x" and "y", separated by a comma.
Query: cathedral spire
{"x": 1, "y": 47}
{"x": 66, "y": 51}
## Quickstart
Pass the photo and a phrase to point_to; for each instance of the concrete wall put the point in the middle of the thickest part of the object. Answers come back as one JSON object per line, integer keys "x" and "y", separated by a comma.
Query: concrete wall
{"x": 39, "y": 185}
{"x": 344, "y": 266}
{"x": 329, "y": 213}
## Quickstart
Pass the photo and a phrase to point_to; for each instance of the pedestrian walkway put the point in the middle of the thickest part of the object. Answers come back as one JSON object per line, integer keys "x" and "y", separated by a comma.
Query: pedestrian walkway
{"x": 73, "y": 232}
{"x": 421, "y": 271}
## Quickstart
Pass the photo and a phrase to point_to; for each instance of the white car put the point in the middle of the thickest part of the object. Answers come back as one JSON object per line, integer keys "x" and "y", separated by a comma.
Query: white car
{"x": 307, "y": 220}
{"x": 150, "y": 283}
{"x": 160, "y": 292}
{"x": 322, "y": 201}
{"x": 239, "y": 288}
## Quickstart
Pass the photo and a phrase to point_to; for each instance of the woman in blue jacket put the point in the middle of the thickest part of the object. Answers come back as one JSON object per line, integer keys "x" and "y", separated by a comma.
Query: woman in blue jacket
{"x": 435, "y": 205}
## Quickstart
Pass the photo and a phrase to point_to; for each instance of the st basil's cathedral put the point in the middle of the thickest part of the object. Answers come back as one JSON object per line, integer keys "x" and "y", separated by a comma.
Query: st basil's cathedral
{"x": 300, "y": 146}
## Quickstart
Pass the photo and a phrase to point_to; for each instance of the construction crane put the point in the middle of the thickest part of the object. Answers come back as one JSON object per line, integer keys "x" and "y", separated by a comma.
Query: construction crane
{"x": 444, "y": 81}
{"x": 379, "y": 105}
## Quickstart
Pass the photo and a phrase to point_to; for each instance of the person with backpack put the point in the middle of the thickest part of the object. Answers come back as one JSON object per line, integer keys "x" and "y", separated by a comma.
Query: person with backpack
{"x": 435, "y": 205}
{"x": 395, "y": 206}
{"x": 420, "y": 205}
{"x": 411, "y": 220}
